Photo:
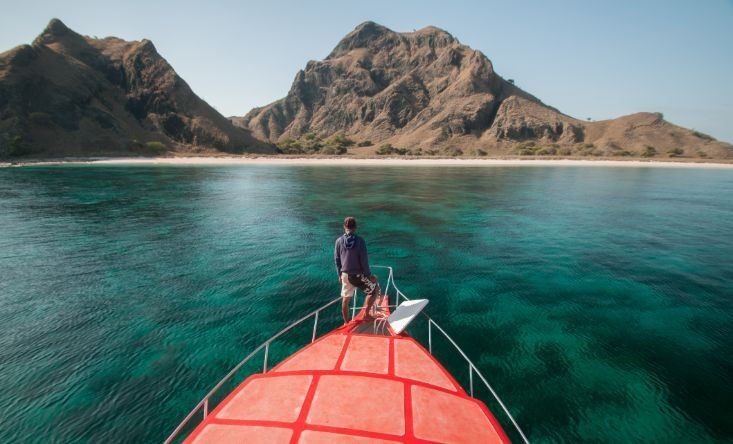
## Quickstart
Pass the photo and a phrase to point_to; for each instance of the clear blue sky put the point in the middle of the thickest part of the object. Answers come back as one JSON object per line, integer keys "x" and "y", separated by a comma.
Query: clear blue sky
{"x": 586, "y": 58}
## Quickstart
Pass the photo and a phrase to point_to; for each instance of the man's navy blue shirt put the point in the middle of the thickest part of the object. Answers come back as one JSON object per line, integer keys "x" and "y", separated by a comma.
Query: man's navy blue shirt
{"x": 350, "y": 255}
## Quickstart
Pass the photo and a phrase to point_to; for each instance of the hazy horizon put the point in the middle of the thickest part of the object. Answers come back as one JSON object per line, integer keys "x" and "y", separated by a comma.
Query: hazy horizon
{"x": 587, "y": 60}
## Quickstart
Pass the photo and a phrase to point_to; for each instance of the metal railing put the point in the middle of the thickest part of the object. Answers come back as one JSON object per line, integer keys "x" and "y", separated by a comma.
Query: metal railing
{"x": 203, "y": 405}
{"x": 471, "y": 366}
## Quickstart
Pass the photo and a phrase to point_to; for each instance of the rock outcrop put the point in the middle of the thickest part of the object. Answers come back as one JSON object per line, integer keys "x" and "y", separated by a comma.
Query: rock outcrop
{"x": 424, "y": 89}
{"x": 67, "y": 94}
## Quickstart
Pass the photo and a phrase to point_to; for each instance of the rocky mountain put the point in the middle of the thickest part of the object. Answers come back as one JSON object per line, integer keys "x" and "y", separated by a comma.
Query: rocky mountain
{"x": 424, "y": 90}
{"x": 67, "y": 94}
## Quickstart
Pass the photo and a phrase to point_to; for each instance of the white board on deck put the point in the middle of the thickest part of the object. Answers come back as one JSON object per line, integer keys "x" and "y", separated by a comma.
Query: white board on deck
{"x": 406, "y": 313}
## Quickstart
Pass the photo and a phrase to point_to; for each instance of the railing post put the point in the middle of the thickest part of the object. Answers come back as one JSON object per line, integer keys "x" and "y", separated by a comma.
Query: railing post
{"x": 430, "y": 336}
{"x": 470, "y": 377}
{"x": 315, "y": 328}
{"x": 267, "y": 351}
{"x": 206, "y": 408}
{"x": 386, "y": 290}
{"x": 353, "y": 307}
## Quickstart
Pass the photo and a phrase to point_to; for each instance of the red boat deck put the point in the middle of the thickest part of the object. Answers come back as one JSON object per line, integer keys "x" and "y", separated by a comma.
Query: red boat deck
{"x": 352, "y": 388}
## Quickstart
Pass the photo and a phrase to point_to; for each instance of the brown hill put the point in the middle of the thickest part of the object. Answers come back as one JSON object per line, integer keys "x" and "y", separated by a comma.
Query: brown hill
{"x": 68, "y": 94}
{"x": 426, "y": 90}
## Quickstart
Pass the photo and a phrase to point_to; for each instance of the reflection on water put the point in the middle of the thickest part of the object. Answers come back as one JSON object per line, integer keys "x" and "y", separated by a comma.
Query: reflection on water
{"x": 596, "y": 300}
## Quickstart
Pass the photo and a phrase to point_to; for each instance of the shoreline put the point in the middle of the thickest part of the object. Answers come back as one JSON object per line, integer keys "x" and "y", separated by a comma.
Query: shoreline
{"x": 364, "y": 161}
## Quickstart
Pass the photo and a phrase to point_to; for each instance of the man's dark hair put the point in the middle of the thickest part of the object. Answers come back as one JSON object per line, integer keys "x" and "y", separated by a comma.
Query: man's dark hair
{"x": 350, "y": 223}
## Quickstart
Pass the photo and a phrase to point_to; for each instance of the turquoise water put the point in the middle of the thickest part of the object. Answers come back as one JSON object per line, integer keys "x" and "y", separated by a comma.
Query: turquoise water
{"x": 596, "y": 300}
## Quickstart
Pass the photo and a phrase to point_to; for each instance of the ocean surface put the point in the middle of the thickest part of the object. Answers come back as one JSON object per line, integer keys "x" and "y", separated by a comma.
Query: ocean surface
{"x": 598, "y": 301}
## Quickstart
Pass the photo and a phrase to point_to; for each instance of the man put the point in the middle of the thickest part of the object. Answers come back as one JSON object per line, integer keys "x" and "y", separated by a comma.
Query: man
{"x": 352, "y": 266}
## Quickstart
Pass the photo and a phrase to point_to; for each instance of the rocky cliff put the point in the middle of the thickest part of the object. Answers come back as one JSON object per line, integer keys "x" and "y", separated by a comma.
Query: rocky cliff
{"x": 425, "y": 90}
{"x": 67, "y": 94}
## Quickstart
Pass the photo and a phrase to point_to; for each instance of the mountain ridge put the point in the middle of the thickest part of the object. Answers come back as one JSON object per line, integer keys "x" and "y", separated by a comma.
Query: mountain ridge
{"x": 425, "y": 90}
{"x": 67, "y": 94}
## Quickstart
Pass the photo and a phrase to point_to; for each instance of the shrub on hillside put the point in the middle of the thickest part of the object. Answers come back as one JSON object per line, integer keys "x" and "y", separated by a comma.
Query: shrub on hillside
{"x": 388, "y": 149}
{"x": 700, "y": 135}
{"x": 336, "y": 144}
{"x": 17, "y": 146}
{"x": 41, "y": 119}
{"x": 339, "y": 139}
{"x": 621, "y": 153}
{"x": 290, "y": 146}
{"x": 365, "y": 143}
{"x": 156, "y": 147}
{"x": 547, "y": 151}
{"x": 312, "y": 146}
{"x": 310, "y": 143}
{"x": 676, "y": 152}
{"x": 649, "y": 151}
{"x": 333, "y": 149}
{"x": 528, "y": 148}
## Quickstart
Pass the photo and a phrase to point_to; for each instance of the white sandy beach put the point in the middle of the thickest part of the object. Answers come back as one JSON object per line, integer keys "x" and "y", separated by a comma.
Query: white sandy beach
{"x": 388, "y": 161}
